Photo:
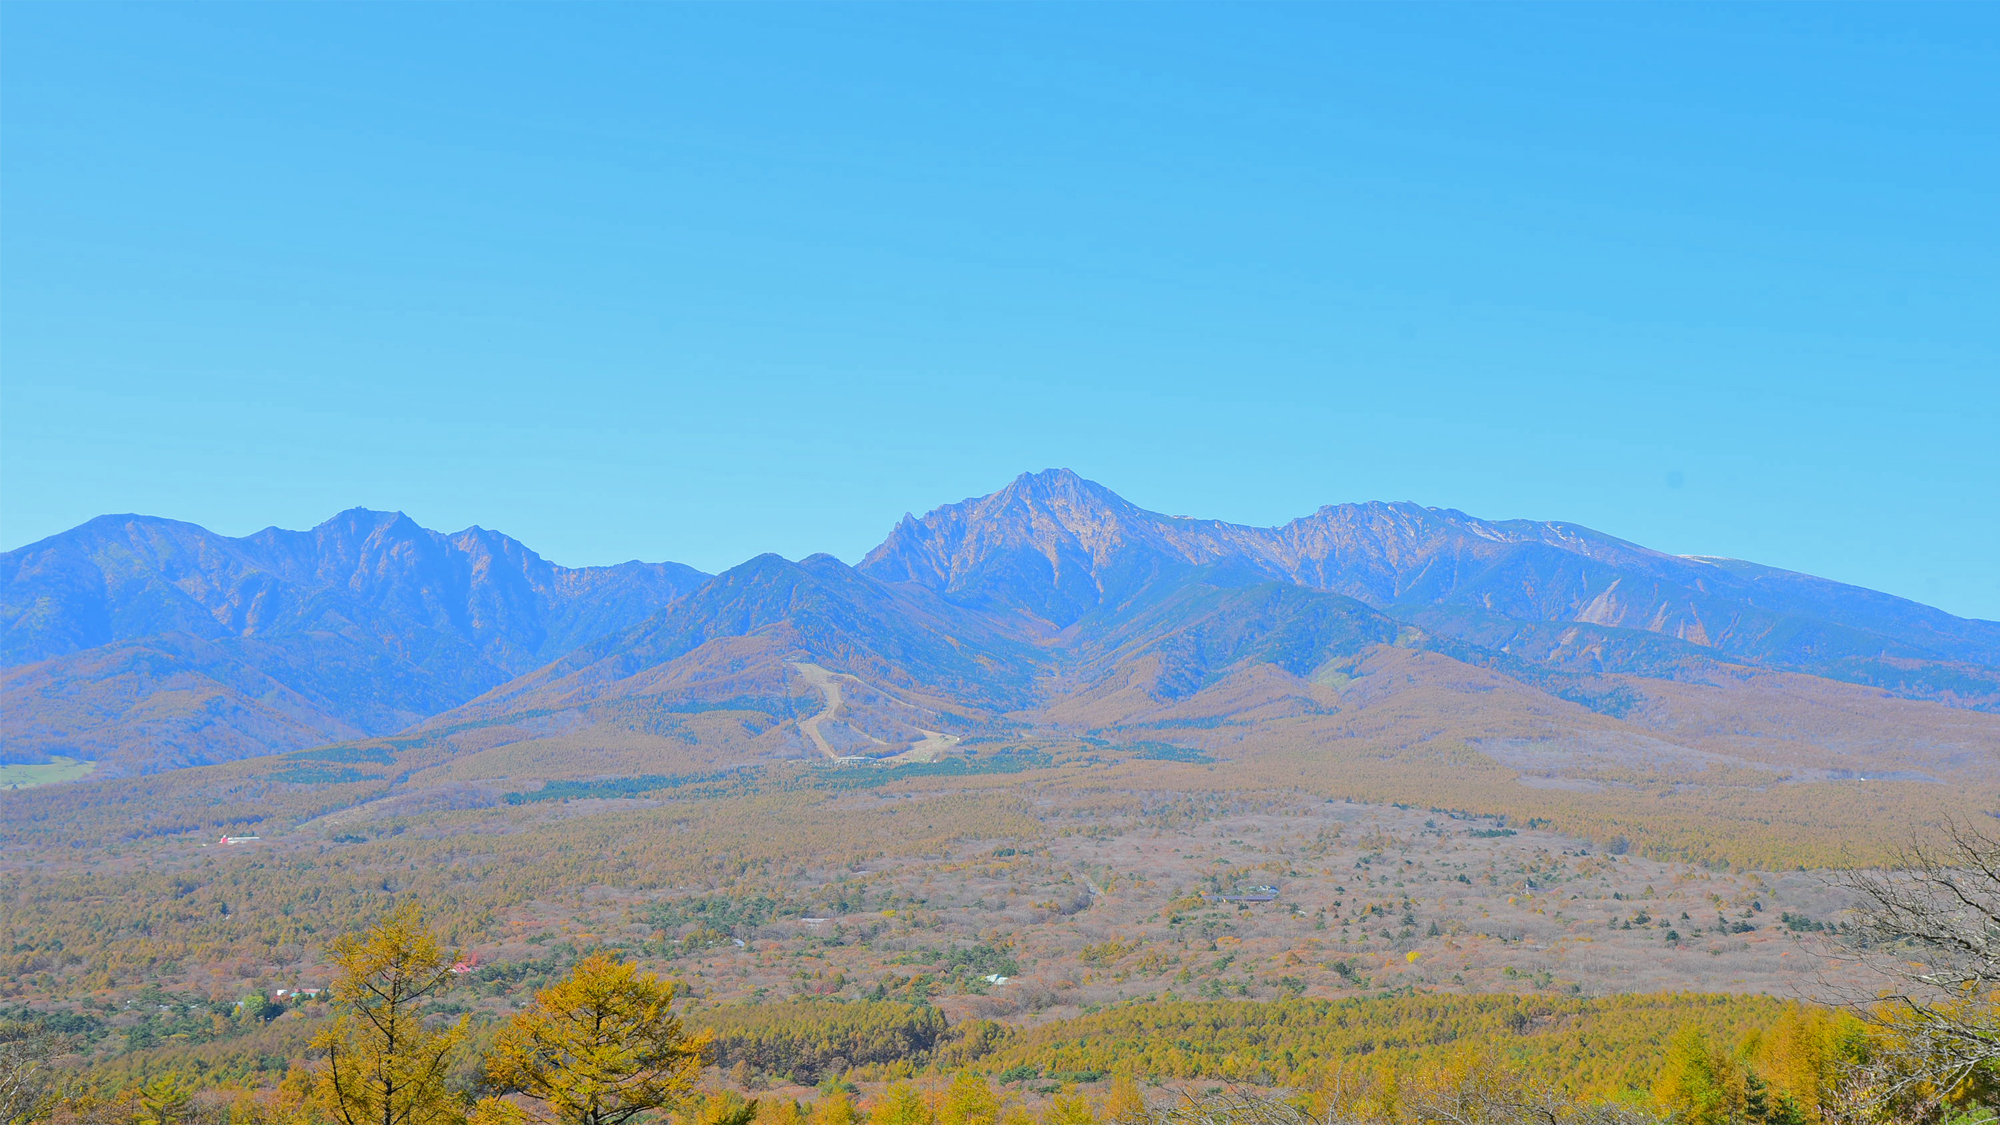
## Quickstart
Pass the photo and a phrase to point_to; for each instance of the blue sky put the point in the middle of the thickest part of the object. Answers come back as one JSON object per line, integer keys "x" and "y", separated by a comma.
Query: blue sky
{"x": 699, "y": 282}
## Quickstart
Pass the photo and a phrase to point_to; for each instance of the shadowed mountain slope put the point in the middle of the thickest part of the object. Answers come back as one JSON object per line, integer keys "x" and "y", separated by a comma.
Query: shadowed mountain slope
{"x": 147, "y": 643}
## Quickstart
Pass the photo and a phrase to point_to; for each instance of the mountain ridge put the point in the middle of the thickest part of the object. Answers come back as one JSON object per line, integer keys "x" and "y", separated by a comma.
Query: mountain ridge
{"x": 150, "y": 643}
{"x": 370, "y": 620}
{"x": 1057, "y": 545}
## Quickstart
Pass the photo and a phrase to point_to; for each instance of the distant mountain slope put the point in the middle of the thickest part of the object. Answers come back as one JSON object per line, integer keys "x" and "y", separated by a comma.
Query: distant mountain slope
{"x": 818, "y": 611}
{"x": 166, "y": 702}
{"x": 1202, "y": 630}
{"x": 149, "y": 642}
{"x": 1062, "y": 548}
{"x": 146, "y": 643}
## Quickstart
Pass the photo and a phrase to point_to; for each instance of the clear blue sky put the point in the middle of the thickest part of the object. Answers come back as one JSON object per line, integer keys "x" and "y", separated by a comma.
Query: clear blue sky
{"x": 699, "y": 282}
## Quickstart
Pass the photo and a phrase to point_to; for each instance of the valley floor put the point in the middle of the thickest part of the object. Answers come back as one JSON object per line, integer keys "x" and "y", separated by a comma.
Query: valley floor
{"x": 1368, "y": 899}
{"x": 1033, "y": 896}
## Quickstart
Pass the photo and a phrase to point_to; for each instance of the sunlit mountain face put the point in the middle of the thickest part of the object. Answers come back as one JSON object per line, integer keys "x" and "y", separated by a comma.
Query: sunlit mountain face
{"x": 146, "y": 644}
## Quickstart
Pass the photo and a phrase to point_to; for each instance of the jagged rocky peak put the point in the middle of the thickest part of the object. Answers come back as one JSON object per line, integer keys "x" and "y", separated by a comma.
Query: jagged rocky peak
{"x": 1071, "y": 522}
{"x": 1053, "y": 510}
{"x": 1054, "y": 513}
{"x": 1042, "y": 511}
{"x": 1061, "y": 547}
{"x": 1051, "y": 543}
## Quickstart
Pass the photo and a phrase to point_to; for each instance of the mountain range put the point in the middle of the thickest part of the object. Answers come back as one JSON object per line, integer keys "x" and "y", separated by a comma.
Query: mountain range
{"x": 148, "y": 643}
{"x": 1052, "y": 604}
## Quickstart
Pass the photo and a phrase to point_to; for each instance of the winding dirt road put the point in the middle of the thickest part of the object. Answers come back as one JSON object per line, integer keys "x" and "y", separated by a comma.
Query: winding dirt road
{"x": 934, "y": 745}
{"x": 828, "y": 684}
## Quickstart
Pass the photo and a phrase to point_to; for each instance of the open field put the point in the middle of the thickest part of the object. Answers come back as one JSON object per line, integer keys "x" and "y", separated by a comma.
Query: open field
{"x": 58, "y": 768}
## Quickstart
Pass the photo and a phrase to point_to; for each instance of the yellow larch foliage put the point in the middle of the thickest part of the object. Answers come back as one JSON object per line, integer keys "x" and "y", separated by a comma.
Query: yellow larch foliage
{"x": 382, "y": 1065}
{"x": 834, "y": 1109}
{"x": 899, "y": 1104}
{"x": 1069, "y": 1107}
{"x": 1123, "y": 1102}
{"x": 718, "y": 1107}
{"x": 1697, "y": 1084}
{"x": 166, "y": 1100}
{"x": 1804, "y": 1055}
{"x": 599, "y": 1047}
{"x": 780, "y": 1111}
{"x": 497, "y": 1111}
{"x": 969, "y": 1100}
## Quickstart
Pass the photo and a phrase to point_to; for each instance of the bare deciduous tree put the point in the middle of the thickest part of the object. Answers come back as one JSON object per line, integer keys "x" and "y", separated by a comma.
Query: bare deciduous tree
{"x": 33, "y": 1081}
{"x": 1932, "y": 924}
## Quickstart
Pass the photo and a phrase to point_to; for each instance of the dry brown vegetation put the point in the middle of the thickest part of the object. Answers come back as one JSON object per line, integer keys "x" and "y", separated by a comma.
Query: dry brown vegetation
{"x": 1075, "y": 883}
{"x": 1431, "y": 833}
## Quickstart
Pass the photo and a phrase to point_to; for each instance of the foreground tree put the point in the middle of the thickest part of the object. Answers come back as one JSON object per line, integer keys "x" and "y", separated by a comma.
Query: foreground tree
{"x": 969, "y": 1100}
{"x": 600, "y": 1047}
{"x": 1069, "y": 1107}
{"x": 32, "y": 1080}
{"x": 383, "y": 1064}
{"x": 1934, "y": 922}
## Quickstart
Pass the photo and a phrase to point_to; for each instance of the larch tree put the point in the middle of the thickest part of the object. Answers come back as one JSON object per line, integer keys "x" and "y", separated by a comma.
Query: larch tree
{"x": 382, "y": 1064}
{"x": 1069, "y": 1107}
{"x": 1123, "y": 1102}
{"x": 717, "y": 1107}
{"x": 836, "y": 1108}
{"x": 969, "y": 1100}
{"x": 780, "y": 1111}
{"x": 599, "y": 1047}
{"x": 1696, "y": 1083}
{"x": 899, "y": 1104}
{"x": 165, "y": 1100}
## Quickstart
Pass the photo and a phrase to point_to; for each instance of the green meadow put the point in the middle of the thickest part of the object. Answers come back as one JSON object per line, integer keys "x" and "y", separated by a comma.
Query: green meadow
{"x": 57, "y": 768}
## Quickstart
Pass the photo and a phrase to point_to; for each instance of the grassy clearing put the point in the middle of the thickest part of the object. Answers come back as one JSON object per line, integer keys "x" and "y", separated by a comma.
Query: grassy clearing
{"x": 57, "y": 768}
